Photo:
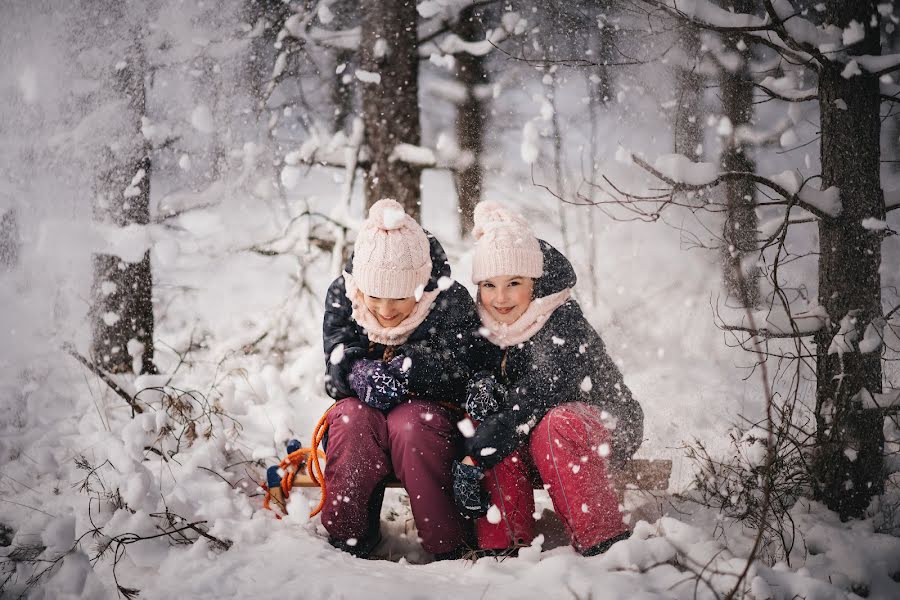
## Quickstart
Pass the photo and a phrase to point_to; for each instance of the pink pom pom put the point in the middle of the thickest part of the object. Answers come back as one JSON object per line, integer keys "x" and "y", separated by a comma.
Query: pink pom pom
{"x": 490, "y": 215}
{"x": 387, "y": 214}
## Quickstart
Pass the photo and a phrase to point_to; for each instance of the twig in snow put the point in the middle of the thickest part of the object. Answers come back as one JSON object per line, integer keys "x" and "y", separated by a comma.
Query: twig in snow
{"x": 135, "y": 407}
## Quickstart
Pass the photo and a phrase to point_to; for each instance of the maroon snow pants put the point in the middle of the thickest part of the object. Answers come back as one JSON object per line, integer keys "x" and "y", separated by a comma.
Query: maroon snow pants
{"x": 568, "y": 452}
{"x": 417, "y": 441}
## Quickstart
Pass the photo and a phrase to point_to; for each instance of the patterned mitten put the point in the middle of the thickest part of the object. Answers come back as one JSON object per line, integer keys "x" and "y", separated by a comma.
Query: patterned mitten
{"x": 473, "y": 501}
{"x": 376, "y": 385}
{"x": 484, "y": 396}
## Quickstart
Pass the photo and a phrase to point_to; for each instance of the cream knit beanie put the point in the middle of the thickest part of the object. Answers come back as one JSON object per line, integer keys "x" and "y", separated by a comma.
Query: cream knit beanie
{"x": 504, "y": 244}
{"x": 392, "y": 256}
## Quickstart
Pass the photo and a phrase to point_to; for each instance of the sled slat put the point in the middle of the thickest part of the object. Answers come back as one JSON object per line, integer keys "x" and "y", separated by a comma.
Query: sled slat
{"x": 639, "y": 474}
{"x": 645, "y": 475}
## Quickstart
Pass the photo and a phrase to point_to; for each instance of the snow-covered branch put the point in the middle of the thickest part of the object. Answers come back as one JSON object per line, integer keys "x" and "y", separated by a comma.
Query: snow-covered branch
{"x": 879, "y": 65}
{"x": 799, "y": 34}
{"x": 332, "y": 152}
{"x": 429, "y": 9}
{"x": 707, "y": 15}
{"x": 777, "y": 323}
{"x": 772, "y": 88}
{"x": 891, "y": 200}
{"x": 681, "y": 174}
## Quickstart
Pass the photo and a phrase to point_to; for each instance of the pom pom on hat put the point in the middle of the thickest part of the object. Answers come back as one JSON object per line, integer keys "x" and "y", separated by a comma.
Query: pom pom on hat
{"x": 504, "y": 244}
{"x": 392, "y": 256}
{"x": 389, "y": 215}
{"x": 490, "y": 215}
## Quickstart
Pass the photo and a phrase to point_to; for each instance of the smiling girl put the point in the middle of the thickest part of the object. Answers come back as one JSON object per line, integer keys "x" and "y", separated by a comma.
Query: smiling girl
{"x": 551, "y": 404}
{"x": 395, "y": 329}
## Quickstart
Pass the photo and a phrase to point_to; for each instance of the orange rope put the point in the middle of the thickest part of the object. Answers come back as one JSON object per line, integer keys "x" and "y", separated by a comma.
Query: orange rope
{"x": 291, "y": 466}
{"x": 291, "y": 463}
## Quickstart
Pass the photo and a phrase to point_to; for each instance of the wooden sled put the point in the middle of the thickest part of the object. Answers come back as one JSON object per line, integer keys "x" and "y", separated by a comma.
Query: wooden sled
{"x": 639, "y": 474}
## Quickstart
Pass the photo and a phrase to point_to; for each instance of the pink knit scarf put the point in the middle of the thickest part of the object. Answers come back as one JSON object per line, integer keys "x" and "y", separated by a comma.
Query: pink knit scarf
{"x": 531, "y": 321}
{"x": 389, "y": 336}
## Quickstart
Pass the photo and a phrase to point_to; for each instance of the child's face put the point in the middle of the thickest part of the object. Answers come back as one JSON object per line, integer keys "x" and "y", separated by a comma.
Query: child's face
{"x": 389, "y": 312}
{"x": 506, "y": 298}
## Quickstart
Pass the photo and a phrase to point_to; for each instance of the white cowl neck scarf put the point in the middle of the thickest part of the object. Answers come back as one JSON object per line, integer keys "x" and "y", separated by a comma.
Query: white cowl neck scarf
{"x": 389, "y": 336}
{"x": 532, "y": 320}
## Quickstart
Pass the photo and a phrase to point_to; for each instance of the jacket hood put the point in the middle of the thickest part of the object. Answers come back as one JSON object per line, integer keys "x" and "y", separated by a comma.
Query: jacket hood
{"x": 440, "y": 266}
{"x": 558, "y": 272}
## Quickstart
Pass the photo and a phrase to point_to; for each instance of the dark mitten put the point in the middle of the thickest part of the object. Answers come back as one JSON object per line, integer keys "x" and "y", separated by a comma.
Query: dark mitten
{"x": 495, "y": 438}
{"x": 376, "y": 385}
{"x": 359, "y": 377}
{"x": 399, "y": 367}
{"x": 485, "y": 396}
{"x": 471, "y": 499}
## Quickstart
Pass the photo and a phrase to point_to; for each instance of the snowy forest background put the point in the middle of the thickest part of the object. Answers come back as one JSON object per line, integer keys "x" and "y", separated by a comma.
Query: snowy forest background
{"x": 182, "y": 179}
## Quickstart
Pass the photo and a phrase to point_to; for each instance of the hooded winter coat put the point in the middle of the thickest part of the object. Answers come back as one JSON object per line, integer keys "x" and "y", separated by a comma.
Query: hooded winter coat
{"x": 565, "y": 361}
{"x": 436, "y": 347}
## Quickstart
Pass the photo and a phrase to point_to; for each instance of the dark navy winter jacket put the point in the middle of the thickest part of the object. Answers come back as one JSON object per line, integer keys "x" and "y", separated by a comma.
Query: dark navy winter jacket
{"x": 565, "y": 361}
{"x": 436, "y": 347}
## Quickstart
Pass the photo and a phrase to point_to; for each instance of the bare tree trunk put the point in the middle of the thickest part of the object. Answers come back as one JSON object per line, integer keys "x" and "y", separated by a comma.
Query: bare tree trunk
{"x": 849, "y": 458}
{"x": 391, "y": 104}
{"x": 599, "y": 88}
{"x": 594, "y": 91}
{"x": 122, "y": 308}
{"x": 600, "y": 76}
{"x": 269, "y": 17}
{"x": 739, "y": 231}
{"x": 689, "y": 89}
{"x": 559, "y": 181}
{"x": 470, "y": 117}
{"x": 342, "y": 89}
{"x": 9, "y": 240}
{"x": 343, "y": 86}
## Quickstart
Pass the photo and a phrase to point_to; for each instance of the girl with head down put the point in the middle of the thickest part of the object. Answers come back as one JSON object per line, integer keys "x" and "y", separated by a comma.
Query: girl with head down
{"x": 396, "y": 329}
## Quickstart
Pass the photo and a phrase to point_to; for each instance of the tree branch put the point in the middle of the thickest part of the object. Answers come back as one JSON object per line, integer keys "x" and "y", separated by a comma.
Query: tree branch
{"x": 135, "y": 407}
{"x": 778, "y": 96}
{"x": 767, "y": 334}
{"x": 448, "y": 26}
{"x": 678, "y": 186}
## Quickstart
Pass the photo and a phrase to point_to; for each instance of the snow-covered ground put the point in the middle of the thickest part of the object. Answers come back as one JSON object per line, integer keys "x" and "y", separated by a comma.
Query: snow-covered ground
{"x": 239, "y": 346}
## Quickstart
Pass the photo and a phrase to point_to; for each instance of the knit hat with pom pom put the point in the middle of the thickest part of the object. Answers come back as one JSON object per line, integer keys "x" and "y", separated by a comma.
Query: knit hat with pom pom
{"x": 392, "y": 256}
{"x": 504, "y": 244}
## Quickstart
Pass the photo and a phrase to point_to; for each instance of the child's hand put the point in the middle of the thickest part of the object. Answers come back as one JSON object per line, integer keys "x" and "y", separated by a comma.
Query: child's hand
{"x": 484, "y": 396}
{"x": 495, "y": 438}
{"x": 471, "y": 500}
{"x": 376, "y": 384}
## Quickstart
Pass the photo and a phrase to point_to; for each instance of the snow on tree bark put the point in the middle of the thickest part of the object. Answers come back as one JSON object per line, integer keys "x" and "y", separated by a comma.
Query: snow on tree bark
{"x": 391, "y": 104}
{"x": 849, "y": 459}
{"x": 9, "y": 240}
{"x": 739, "y": 230}
{"x": 343, "y": 88}
{"x": 121, "y": 295}
{"x": 689, "y": 90}
{"x": 470, "y": 116}
{"x": 267, "y": 17}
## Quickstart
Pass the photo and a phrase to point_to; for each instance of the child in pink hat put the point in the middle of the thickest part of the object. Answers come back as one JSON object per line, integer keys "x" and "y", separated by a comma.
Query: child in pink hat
{"x": 395, "y": 331}
{"x": 551, "y": 405}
